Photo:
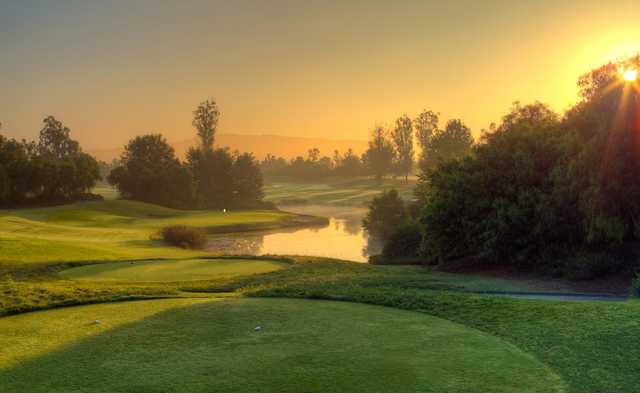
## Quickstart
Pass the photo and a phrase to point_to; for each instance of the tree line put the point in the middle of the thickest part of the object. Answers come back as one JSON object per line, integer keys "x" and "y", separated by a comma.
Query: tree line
{"x": 389, "y": 152}
{"x": 540, "y": 192}
{"x": 51, "y": 170}
{"x": 211, "y": 178}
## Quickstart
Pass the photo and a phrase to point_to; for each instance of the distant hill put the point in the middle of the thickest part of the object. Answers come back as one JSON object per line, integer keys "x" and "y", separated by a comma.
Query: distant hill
{"x": 259, "y": 145}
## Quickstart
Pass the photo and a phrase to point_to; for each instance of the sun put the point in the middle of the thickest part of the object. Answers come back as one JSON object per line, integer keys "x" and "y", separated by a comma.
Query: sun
{"x": 630, "y": 75}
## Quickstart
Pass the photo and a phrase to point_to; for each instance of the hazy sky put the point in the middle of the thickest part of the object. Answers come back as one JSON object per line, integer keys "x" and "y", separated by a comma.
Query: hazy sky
{"x": 114, "y": 69}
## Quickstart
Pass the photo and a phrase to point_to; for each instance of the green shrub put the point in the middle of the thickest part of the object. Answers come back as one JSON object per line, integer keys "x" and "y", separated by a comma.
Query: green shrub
{"x": 386, "y": 214}
{"x": 636, "y": 286}
{"x": 185, "y": 237}
{"x": 404, "y": 242}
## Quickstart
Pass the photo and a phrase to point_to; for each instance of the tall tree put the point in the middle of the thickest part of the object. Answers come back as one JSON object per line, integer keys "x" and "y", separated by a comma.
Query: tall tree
{"x": 55, "y": 139}
{"x": 247, "y": 181}
{"x": 379, "y": 156}
{"x": 454, "y": 141}
{"x": 150, "y": 172}
{"x": 403, "y": 139}
{"x": 211, "y": 170}
{"x": 205, "y": 120}
{"x": 426, "y": 124}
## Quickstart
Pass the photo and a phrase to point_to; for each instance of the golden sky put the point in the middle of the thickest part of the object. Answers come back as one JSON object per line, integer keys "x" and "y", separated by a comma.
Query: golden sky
{"x": 114, "y": 69}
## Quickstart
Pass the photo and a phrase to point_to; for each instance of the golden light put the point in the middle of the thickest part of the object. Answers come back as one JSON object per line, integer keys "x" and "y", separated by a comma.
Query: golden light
{"x": 630, "y": 75}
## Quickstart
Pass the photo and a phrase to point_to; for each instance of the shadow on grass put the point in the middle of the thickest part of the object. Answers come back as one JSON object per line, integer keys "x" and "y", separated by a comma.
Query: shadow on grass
{"x": 302, "y": 346}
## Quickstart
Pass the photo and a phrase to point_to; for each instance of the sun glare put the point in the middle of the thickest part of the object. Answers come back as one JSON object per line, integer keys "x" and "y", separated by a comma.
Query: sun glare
{"x": 630, "y": 75}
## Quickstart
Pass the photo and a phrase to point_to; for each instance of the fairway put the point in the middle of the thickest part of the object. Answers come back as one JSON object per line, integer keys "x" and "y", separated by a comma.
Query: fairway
{"x": 212, "y": 346}
{"x": 172, "y": 270}
{"x": 346, "y": 192}
{"x": 113, "y": 230}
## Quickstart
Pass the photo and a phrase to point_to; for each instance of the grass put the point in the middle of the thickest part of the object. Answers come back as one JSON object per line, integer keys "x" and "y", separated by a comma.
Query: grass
{"x": 112, "y": 230}
{"x": 591, "y": 347}
{"x": 106, "y": 191}
{"x": 172, "y": 270}
{"x": 353, "y": 192}
{"x": 303, "y": 347}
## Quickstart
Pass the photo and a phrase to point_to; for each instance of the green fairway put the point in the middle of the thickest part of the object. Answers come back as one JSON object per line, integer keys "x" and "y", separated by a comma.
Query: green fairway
{"x": 171, "y": 270}
{"x": 106, "y": 191}
{"x": 353, "y": 192}
{"x": 304, "y": 346}
{"x": 110, "y": 230}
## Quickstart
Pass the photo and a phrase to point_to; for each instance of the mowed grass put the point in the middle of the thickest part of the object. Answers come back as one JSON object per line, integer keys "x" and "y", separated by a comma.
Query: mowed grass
{"x": 212, "y": 346}
{"x": 353, "y": 192}
{"x": 108, "y": 230}
{"x": 172, "y": 270}
{"x": 106, "y": 191}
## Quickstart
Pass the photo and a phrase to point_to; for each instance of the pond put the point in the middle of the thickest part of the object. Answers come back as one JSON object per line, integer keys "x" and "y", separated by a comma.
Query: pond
{"x": 342, "y": 238}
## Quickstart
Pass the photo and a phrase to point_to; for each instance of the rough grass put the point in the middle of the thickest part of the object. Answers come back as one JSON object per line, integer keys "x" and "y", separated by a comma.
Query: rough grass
{"x": 111, "y": 230}
{"x": 355, "y": 192}
{"x": 303, "y": 347}
{"x": 172, "y": 270}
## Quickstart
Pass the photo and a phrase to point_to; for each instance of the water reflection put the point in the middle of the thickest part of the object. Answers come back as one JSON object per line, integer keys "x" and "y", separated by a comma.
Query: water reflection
{"x": 342, "y": 238}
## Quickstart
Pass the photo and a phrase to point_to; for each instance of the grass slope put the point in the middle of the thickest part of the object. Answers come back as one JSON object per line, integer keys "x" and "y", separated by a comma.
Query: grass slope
{"x": 171, "y": 270}
{"x": 593, "y": 346}
{"x": 212, "y": 347}
{"x": 109, "y": 230}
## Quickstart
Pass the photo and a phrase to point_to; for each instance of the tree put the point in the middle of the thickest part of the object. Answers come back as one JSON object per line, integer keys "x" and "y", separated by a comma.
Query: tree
{"x": 386, "y": 213}
{"x": 150, "y": 172}
{"x": 205, "y": 120}
{"x": 605, "y": 171}
{"x": 498, "y": 203}
{"x": 313, "y": 155}
{"x": 18, "y": 179}
{"x": 213, "y": 181}
{"x": 349, "y": 164}
{"x": 379, "y": 156}
{"x": 247, "y": 181}
{"x": 426, "y": 124}
{"x": 453, "y": 142}
{"x": 53, "y": 170}
{"x": 62, "y": 171}
{"x": 55, "y": 140}
{"x": 403, "y": 139}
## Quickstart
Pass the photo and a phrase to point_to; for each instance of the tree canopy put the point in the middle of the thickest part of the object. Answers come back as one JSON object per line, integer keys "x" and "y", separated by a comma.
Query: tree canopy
{"x": 402, "y": 136}
{"x": 544, "y": 192}
{"x": 211, "y": 178}
{"x": 54, "y": 170}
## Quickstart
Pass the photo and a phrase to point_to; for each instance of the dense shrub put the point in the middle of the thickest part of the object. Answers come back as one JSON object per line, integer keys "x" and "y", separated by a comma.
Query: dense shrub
{"x": 587, "y": 265}
{"x": 404, "y": 243}
{"x": 185, "y": 237}
{"x": 386, "y": 214}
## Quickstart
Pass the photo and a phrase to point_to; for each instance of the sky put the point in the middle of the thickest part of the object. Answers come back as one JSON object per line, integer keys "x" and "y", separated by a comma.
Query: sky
{"x": 111, "y": 70}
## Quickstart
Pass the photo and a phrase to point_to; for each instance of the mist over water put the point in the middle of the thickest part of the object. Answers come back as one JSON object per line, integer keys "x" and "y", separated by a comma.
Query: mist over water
{"x": 342, "y": 238}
